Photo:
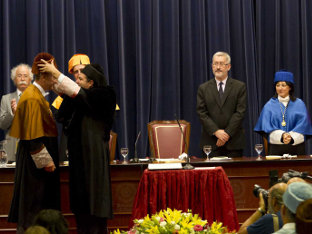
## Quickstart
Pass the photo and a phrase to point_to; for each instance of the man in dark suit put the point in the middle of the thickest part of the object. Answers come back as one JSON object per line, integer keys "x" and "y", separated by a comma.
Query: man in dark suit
{"x": 221, "y": 107}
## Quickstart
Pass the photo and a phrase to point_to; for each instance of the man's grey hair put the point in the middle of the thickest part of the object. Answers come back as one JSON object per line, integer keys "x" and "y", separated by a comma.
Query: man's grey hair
{"x": 14, "y": 69}
{"x": 223, "y": 54}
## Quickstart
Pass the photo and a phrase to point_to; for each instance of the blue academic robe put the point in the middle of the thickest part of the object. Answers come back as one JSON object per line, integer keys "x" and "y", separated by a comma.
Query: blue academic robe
{"x": 296, "y": 118}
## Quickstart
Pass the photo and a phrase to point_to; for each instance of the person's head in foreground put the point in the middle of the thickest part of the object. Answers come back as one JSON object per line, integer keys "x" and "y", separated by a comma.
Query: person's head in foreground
{"x": 53, "y": 220}
{"x": 304, "y": 217}
{"x": 295, "y": 194}
{"x": 295, "y": 179}
{"x": 275, "y": 200}
{"x": 36, "y": 229}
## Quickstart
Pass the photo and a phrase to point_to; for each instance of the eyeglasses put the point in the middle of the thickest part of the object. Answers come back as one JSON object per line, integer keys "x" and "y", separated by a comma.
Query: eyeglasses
{"x": 219, "y": 64}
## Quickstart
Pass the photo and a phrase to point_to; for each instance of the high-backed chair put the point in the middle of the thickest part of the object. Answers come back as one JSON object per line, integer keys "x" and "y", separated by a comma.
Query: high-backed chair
{"x": 112, "y": 145}
{"x": 166, "y": 139}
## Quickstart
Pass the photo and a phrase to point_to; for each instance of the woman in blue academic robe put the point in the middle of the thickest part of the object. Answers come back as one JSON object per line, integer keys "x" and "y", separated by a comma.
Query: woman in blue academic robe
{"x": 284, "y": 119}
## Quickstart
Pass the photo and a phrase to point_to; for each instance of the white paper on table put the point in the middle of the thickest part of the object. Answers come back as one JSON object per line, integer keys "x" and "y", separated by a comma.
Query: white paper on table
{"x": 204, "y": 168}
{"x": 220, "y": 158}
{"x": 273, "y": 157}
{"x": 164, "y": 166}
{"x": 168, "y": 159}
{"x": 143, "y": 159}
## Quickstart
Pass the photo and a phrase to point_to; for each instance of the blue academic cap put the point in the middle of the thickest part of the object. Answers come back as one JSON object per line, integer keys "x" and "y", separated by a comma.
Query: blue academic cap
{"x": 284, "y": 75}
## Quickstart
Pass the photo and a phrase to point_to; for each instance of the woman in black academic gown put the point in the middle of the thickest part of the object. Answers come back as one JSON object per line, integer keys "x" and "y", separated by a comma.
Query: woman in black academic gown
{"x": 87, "y": 114}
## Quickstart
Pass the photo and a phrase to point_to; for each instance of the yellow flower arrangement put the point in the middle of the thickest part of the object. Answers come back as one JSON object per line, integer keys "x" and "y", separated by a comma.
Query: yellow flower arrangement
{"x": 174, "y": 221}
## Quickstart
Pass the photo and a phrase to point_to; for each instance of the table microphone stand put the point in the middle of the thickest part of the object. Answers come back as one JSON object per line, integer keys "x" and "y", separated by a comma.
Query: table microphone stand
{"x": 136, "y": 159}
{"x": 187, "y": 166}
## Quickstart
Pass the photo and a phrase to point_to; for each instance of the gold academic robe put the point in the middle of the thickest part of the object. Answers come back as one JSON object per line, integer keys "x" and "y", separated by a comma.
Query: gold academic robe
{"x": 34, "y": 189}
{"x": 33, "y": 117}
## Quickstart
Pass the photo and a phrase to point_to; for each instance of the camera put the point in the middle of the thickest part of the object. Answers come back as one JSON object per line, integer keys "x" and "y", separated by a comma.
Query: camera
{"x": 265, "y": 194}
{"x": 292, "y": 173}
{"x": 274, "y": 179}
{"x": 287, "y": 176}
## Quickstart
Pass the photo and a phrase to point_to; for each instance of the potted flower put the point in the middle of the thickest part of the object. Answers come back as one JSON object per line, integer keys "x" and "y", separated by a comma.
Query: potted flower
{"x": 174, "y": 221}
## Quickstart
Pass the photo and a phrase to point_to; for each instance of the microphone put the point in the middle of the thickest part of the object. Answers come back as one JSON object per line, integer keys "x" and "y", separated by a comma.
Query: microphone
{"x": 187, "y": 166}
{"x": 135, "y": 159}
{"x": 185, "y": 143}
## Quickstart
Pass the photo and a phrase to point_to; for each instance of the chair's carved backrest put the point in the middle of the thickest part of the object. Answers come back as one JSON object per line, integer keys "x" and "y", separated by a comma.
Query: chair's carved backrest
{"x": 166, "y": 139}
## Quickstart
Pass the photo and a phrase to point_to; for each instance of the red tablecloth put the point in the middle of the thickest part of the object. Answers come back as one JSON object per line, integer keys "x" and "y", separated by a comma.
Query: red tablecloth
{"x": 206, "y": 192}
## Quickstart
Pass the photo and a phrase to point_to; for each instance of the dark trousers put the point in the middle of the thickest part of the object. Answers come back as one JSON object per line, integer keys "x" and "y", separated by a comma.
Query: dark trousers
{"x": 91, "y": 224}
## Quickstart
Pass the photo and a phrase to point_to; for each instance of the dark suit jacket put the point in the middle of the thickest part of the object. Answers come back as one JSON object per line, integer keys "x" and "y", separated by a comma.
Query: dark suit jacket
{"x": 227, "y": 114}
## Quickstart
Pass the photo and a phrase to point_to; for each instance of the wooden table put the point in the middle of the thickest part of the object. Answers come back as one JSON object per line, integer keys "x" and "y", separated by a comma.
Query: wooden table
{"x": 243, "y": 173}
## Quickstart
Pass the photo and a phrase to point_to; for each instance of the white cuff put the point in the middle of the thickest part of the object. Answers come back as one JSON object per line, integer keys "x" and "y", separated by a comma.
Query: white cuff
{"x": 275, "y": 137}
{"x": 42, "y": 158}
{"x": 66, "y": 86}
{"x": 297, "y": 137}
{"x": 60, "y": 78}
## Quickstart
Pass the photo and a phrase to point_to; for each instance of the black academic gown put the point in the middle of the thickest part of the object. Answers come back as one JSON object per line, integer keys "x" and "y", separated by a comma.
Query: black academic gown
{"x": 87, "y": 120}
{"x": 34, "y": 189}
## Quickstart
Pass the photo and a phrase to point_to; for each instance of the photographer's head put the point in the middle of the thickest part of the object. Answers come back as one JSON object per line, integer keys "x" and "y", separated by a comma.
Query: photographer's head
{"x": 295, "y": 194}
{"x": 295, "y": 179}
{"x": 275, "y": 199}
